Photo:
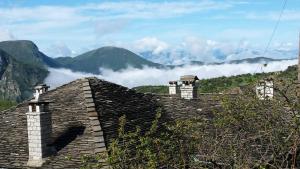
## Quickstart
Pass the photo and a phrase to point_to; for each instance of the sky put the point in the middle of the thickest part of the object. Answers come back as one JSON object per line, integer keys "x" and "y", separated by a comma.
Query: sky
{"x": 205, "y": 30}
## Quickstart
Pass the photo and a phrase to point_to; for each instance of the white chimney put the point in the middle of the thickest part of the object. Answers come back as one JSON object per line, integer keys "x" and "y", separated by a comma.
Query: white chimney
{"x": 265, "y": 89}
{"x": 173, "y": 87}
{"x": 39, "y": 126}
{"x": 188, "y": 88}
{"x": 40, "y": 89}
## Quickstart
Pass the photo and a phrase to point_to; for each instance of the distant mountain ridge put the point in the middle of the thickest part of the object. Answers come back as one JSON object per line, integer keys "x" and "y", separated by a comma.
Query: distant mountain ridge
{"x": 27, "y": 52}
{"x": 22, "y": 65}
{"x": 216, "y": 56}
{"x": 17, "y": 78}
{"x": 113, "y": 58}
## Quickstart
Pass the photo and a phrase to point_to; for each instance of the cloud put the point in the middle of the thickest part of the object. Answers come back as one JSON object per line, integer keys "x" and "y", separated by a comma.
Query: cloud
{"x": 201, "y": 49}
{"x": 59, "y": 49}
{"x": 6, "y": 35}
{"x": 55, "y": 16}
{"x": 39, "y": 13}
{"x": 150, "y": 44}
{"x": 249, "y": 34}
{"x": 148, "y": 10}
{"x": 104, "y": 27}
{"x": 288, "y": 15}
{"x": 132, "y": 77}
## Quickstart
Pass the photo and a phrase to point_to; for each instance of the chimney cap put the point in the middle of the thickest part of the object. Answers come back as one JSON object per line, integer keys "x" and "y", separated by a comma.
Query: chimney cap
{"x": 40, "y": 86}
{"x": 38, "y": 102}
{"x": 189, "y": 78}
{"x": 173, "y": 82}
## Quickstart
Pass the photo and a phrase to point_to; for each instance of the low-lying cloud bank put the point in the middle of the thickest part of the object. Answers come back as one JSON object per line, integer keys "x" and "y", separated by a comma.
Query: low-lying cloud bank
{"x": 132, "y": 77}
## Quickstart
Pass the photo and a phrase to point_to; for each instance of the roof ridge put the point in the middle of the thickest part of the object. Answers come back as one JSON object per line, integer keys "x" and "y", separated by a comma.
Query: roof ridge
{"x": 99, "y": 141}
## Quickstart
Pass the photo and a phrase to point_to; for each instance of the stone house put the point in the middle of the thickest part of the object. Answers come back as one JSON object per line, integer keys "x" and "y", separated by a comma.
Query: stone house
{"x": 81, "y": 118}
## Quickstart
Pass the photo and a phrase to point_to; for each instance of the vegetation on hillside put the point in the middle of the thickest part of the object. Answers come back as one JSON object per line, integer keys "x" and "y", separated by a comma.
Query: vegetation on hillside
{"x": 25, "y": 51}
{"x": 4, "y": 104}
{"x": 221, "y": 84}
{"x": 22, "y": 66}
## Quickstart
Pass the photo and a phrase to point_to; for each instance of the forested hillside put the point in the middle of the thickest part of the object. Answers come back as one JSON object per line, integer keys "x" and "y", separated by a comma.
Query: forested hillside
{"x": 221, "y": 84}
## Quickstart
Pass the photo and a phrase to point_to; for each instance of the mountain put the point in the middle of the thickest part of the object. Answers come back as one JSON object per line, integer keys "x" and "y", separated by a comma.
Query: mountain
{"x": 18, "y": 78}
{"x": 113, "y": 58}
{"x": 22, "y": 65}
{"x": 27, "y": 52}
{"x": 254, "y": 60}
{"x": 216, "y": 56}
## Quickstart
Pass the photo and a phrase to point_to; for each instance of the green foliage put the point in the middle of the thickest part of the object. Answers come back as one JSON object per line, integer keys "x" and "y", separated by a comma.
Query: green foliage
{"x": 22, "y": 70}
{"x": 221, "y": 84}
{"x": 5, "y": 104}
{"x": 152, "y": 89}
{"x": 162, "y": 145}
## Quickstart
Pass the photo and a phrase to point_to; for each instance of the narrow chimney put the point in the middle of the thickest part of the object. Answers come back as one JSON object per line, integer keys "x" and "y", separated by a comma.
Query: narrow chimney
{"x": 173, "y": 87}
{"x": 188, "y": 88}
{"x": 265, "y": 89}
{"x": 39, "y": 126}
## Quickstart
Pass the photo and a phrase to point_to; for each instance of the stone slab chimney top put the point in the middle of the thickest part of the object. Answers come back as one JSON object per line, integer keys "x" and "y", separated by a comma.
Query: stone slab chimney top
{"x": 40, "y": 89}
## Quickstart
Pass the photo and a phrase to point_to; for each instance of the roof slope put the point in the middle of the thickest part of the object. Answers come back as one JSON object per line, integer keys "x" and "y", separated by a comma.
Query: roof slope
{"x": 85, "y": 118}
{"x": 113, "y": 101}
{"x": 72, "y": 134}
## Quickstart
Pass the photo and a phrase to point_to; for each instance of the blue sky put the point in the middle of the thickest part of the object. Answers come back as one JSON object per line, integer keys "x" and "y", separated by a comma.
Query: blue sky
{"x": 199, "y": 27}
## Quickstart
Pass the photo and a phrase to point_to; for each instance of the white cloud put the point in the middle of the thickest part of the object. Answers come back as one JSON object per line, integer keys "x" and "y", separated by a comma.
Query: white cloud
{"x": 132, "y": 77}
{"x": 249, "y": 34}
{"x": 288, "y": 15}
{"x": 39, "y": 13}
{"x": 104, "y": 27}
{"x": 6, "y": 35}
{"x": 150, "y": 44}
{"x": 207, "y": 50}
{"x": 47, "y": 17}
{"x": 59, "y": 49}
{"x": 148, "y": 10}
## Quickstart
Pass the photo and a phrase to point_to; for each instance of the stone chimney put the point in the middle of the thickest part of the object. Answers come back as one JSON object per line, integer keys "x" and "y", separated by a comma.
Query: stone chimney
{"x": 265, "y": 89}
{"x": 39, "y": 126}
{"x": 173, "y": 87}
{"x": 188, "y": 88}
{"x": 40, "y": 89}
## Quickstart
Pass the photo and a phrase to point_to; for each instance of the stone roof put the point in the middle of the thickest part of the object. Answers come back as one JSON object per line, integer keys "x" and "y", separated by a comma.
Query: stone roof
{"x": 189, "y": 78}
{"x": 85, "y": 116}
